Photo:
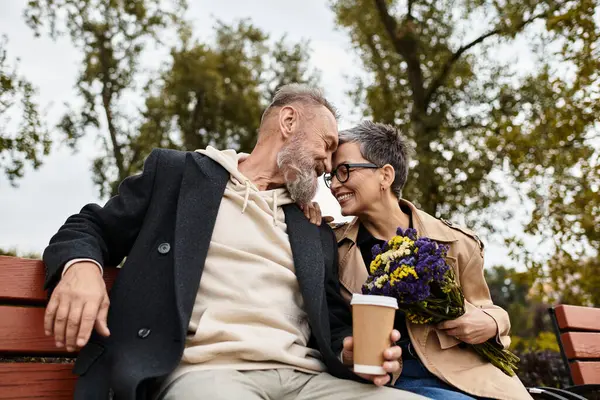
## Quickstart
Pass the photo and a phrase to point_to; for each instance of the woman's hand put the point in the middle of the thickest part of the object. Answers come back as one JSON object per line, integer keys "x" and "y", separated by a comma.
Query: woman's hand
{"x": 473, "y": 327}
{"x": 312, "y": 211}
{"x": 391, "y": 355}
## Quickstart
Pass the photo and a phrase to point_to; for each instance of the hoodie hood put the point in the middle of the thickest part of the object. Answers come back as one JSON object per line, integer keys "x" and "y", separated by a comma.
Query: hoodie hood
{"x": 240, "y": 185}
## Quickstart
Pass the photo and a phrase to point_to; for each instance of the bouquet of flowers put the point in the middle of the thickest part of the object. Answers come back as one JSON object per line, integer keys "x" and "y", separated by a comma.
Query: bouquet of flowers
{"x": 414, "y": 271}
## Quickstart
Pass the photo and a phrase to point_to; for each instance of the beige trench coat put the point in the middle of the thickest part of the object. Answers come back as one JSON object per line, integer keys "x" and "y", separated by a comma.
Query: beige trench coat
{"x": 439, "y": 352}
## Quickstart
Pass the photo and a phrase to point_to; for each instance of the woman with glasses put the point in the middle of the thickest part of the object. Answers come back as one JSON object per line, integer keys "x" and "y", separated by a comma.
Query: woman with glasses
{"x": 370, "y": 169}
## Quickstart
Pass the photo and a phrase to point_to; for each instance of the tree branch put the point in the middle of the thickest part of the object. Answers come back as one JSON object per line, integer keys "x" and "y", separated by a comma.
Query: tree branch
{"x": 439, "y": 80}
{"x": 107, "y": 95}
{"x": 380, "y": 71}
{"x": 407, "y": 46}
{"x": 410, "y": 6}
{"x": 388, "y": 21}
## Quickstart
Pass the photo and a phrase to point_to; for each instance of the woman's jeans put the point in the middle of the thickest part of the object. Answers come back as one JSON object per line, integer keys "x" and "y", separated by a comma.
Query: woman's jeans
{"x": 417, "y": 379}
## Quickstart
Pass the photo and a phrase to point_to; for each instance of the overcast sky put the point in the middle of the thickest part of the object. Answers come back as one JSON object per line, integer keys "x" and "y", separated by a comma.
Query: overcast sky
{"x": 31, "y": 213}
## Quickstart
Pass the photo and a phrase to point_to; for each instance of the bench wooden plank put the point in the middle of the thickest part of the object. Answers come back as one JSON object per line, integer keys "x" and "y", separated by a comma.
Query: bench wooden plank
{"x": 585, "y": 372}
{"x": 39, "y": 381}
{"x": 22, "y": 332}
{"x": 578, "y": 318}
{"x": 581, "y": 345}
{"x": 22, "y": 280}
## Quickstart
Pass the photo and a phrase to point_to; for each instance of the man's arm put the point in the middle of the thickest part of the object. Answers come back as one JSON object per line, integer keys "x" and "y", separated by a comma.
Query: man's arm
{"x": 103, "y": 234}
{"x": 95, "y": 237}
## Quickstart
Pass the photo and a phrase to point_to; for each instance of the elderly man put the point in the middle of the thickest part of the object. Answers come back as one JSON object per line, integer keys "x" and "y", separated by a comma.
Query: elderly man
{"x": 260, "y": 322}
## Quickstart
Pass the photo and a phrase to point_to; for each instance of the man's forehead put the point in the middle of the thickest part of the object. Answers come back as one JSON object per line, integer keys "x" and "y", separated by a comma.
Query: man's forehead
{"x": 330, "y": 135}
{"x": 333, "y": 134}
{"x": 330, "y": 122}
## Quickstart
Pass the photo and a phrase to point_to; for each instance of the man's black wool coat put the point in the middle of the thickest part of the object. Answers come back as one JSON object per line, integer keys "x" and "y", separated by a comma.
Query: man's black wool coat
{"x": 162, "y": 221}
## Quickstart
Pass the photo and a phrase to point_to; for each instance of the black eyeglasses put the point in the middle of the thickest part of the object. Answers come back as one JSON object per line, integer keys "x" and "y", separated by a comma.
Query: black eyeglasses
{"x": 342, "y": 172}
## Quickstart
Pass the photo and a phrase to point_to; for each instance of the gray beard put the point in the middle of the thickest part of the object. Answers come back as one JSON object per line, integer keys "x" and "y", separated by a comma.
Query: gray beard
{"x": 298, "y": 172}
{"x": 304, "y": 188}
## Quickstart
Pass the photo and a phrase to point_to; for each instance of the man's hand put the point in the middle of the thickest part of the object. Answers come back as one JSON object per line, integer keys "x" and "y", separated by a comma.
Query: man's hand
{"x": 312, "y": 211}
{"x": 473, "y": 327}
{"x": 391, "y": 364}
{"x": 79, "y": 302}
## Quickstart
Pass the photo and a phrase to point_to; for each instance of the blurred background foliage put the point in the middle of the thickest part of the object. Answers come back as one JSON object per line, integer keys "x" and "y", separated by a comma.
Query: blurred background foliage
{"x": 494, "y": 142}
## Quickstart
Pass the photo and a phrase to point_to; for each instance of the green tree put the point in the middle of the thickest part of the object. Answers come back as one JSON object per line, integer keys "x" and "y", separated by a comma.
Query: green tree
{"x": 434, "y": 70}
{"x": 214, "y": 94}
{"x": 531, "y": 327}
{"x": 24, "y": 140}
{"x": 507, "y": 286}
{"x": 112, "y": 36}
{"x": 511, "y": 290}
{"x": 571, "y": 279}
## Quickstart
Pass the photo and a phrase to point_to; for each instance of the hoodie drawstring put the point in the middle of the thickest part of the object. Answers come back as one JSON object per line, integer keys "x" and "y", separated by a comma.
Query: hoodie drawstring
{"x": 246, "y": 195}
{"x": 274, "y": 207}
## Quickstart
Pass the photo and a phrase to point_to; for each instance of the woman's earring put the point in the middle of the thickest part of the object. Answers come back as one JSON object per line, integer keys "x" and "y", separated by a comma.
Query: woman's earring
{"x": 382, "y": 188}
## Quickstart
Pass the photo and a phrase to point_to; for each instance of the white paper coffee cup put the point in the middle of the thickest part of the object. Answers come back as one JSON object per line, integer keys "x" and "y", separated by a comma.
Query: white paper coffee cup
{"x": 372, "y": 324}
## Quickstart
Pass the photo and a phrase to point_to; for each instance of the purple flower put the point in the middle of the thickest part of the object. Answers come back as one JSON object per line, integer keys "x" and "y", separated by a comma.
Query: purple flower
{"x": 375, "y": 250}
{"x": 410, "y": 233}
{"x": 428, "y": 262}
{"x": 410, "y": 261}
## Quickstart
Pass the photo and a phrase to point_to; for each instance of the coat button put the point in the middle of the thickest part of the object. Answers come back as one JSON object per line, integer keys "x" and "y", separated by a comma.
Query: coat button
{"x": 144, "y": 333}
{"x": 164, "y": 248}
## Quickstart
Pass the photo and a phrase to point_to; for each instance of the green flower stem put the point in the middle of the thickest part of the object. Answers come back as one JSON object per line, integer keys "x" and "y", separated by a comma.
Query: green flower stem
{"x": 500, "y": 358}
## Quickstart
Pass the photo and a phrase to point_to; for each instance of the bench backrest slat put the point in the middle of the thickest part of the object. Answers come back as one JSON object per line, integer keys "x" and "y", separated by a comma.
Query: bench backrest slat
{"x": 22, "y": 303}
{"x": 577, "y": 318}
{"x": 22, "y": 333}
{"x": 585, "y": 372}
{"x": 581, "y": 345}
{"x": 22, "y": 280}
{"x": 36, "y": 381}
{"x": 578, "y": 332}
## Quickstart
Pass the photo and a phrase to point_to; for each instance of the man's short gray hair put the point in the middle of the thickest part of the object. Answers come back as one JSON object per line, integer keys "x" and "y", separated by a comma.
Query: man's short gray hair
{"x": 297, "y": 92}
{"x": 382, "y": 144}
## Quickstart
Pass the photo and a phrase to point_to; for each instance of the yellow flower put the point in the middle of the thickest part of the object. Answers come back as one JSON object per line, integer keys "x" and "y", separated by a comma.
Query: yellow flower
{"x": 380, "y": 281}
{"x": 402, "y": 272}
{"x": 375, "y": 264}
{"x": 401, "y": 240}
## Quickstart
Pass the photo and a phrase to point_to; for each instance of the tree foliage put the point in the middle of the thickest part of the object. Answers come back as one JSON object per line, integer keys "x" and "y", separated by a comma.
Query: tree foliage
{"x": 214, "y": 93}
{"x": 209, "y": 93}
{"x": 443, "y": 73}
{"x": 512, "y": 290}
{"x": 112, "y": 36}
{"x": 24, "y": 140}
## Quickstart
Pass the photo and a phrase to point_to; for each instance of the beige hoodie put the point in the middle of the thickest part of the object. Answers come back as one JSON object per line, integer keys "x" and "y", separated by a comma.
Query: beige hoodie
{"x": 248, "y": 312}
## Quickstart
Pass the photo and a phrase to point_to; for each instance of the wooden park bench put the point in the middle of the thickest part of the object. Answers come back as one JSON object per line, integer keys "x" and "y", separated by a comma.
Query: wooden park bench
{"x": 32, "y": 367}
{"x": 30, "y": 364}
{"x": 578, "y": 334}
